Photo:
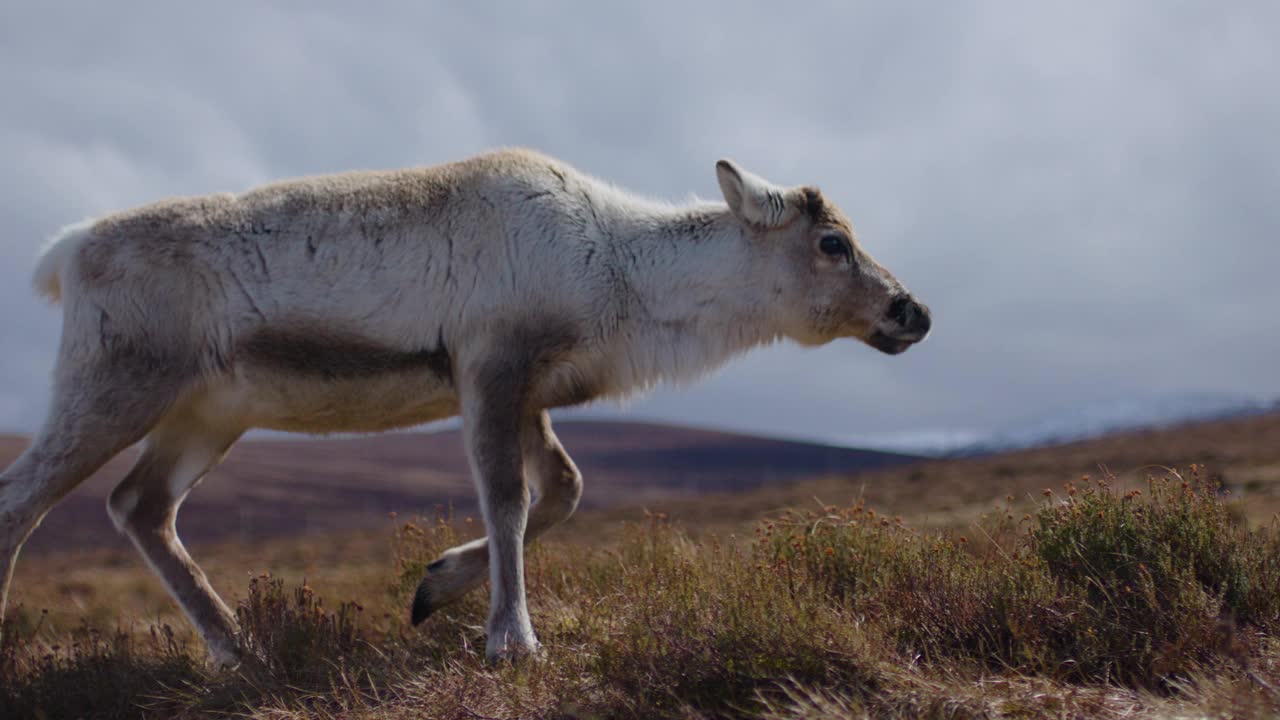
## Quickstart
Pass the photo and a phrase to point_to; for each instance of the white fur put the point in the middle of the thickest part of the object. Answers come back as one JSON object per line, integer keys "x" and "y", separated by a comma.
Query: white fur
{"x": 650, "y": 305}
{"x": 53, "y": 257}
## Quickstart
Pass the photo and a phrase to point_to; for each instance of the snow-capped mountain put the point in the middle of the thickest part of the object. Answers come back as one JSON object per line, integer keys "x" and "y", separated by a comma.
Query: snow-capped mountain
{"x": 1135, "y": 413}
{"x": 1073, "y": 423}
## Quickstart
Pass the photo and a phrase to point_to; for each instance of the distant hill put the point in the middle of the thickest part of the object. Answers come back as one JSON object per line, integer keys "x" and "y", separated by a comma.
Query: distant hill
{"x": 274, "y": 487}
{"x": 1119, "y": 415}
{"x": 1242, "y": 452}
{"x": 1082, "y": 421}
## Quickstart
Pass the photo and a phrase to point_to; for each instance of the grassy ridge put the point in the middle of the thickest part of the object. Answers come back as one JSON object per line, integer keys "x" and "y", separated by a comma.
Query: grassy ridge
{"x": 1096, "y": 603}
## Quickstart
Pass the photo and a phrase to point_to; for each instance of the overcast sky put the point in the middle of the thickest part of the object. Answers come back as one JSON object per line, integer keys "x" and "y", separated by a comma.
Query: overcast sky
{"x": 1086, "y": 194}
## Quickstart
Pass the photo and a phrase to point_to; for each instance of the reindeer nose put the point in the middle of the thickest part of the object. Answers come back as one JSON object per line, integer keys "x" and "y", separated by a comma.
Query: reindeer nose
{"x": 910, "y": 315}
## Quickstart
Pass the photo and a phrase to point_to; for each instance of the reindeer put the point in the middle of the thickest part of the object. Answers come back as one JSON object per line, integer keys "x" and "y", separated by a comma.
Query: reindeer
{"x": 494, "y": 288}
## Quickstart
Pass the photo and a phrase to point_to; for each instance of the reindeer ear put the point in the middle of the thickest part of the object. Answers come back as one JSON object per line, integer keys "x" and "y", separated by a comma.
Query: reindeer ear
{"x": 754, "y": 200}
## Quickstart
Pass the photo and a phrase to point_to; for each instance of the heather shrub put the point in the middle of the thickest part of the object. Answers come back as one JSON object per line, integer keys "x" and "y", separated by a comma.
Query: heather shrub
{"x": 1168, "y": 579}
{"x": 291, "y": 637}
{"x": 1131, "y": 587}
{"x": 934, "y": 595}
{"x": 89, "y": 673}
{"x": 711, "y": 629}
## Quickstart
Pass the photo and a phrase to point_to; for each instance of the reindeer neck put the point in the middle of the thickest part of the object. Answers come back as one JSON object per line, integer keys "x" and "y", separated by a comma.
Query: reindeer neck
{"x": 692, "y": 294}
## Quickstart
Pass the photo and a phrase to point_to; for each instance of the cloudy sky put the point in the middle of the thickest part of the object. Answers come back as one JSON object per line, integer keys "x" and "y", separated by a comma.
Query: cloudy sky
{"x": 1086, "y": 194}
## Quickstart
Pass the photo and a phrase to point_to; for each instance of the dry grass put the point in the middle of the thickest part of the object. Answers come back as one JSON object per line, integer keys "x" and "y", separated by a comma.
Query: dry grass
{"x": 1095, "y": 603}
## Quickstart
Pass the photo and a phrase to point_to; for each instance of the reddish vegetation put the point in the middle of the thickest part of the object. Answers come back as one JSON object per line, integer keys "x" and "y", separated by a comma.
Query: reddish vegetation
{"x": 1011, "y": 586}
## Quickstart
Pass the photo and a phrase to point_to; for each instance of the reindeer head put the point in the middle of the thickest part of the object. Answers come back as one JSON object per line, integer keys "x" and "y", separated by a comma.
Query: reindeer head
{"x": 827, "y": 286}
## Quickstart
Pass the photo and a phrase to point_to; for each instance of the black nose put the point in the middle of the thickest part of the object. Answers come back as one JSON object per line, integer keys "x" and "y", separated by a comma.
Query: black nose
{"x": 910, "y": 315}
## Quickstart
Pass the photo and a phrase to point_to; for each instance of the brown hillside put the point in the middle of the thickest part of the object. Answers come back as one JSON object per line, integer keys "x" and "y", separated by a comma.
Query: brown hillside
{"x": 1244, "y": 453}
{"x": 277, "y": 487}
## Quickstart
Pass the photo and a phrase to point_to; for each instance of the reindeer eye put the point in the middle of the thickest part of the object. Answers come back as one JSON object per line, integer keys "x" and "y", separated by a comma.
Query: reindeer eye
{"x": 834, "y": 246}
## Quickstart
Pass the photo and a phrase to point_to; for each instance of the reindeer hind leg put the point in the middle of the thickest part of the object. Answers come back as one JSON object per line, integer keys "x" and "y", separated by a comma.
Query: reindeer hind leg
{"x": 144, "y": 506}
{"x": 98, "y": 409}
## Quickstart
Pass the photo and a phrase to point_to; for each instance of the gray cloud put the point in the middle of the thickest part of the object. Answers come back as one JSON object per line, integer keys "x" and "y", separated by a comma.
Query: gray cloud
{"x": 1085, "y": 195}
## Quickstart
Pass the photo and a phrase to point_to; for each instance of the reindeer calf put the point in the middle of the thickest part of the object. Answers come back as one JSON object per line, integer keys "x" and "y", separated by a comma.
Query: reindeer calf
{"x": 494, "y": 288}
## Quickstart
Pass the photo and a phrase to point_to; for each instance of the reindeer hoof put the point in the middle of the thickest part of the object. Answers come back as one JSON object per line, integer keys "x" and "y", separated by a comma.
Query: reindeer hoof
{"x": 423, "y": 604}
{"x": 226, "y": 657}
{"x": 517, "y": 653}
{"x": 512, "y": 643}
{"x": 422, "y": 607}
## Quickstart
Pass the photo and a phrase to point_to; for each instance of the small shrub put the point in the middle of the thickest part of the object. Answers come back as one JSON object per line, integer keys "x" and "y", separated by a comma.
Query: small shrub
{"x": 90, "y": 673}
{"x": 293, "y": 638}
{"x": 1180, "y": 532}
{"x": 931, "y": 593}
{"x": 1162, "y": 574}
{"x": 712, "y": 630}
